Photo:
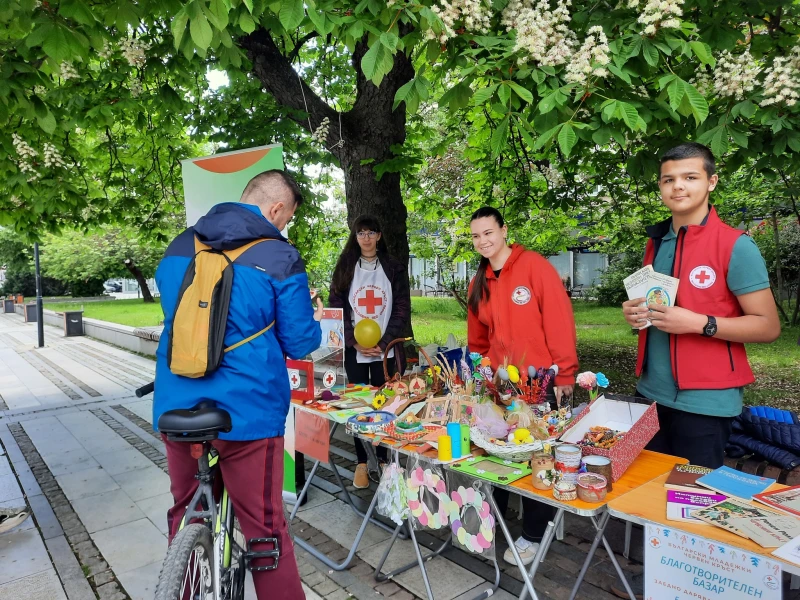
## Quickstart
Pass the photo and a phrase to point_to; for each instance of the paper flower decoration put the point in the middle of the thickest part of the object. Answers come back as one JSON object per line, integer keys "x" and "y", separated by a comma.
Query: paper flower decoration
{"x": 602, "y": 380}
{"x": 587, "y": 380}
{"x": 378, "y": 401}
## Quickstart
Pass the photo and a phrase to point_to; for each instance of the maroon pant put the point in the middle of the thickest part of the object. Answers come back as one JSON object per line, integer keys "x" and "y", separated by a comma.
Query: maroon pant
{"x": 253, "y": 475}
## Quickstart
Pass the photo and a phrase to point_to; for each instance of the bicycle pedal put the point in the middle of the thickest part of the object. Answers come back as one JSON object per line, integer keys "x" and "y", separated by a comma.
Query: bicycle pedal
{"x": 252, "y": 555}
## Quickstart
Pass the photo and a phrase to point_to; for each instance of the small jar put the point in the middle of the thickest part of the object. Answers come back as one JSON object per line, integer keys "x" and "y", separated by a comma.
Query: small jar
{"x": 564, "y": 491}
{"x": 568, "y": 461}
{"x": 542, "y": 465}
{"x": 592, "y": 487}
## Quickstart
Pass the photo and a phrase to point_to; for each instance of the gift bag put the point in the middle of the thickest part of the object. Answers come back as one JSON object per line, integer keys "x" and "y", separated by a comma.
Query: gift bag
{"x": 392, "y": 502}
{"x": 471, "y": 520}
{"x": 426, "y": 492}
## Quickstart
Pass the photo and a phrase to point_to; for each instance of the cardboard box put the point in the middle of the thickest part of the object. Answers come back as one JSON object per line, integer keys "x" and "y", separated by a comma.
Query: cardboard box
{"x": 640, "y": 421}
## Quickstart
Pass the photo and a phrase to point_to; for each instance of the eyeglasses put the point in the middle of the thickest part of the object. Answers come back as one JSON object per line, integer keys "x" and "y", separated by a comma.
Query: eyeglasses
{"x": 362, "y": 235}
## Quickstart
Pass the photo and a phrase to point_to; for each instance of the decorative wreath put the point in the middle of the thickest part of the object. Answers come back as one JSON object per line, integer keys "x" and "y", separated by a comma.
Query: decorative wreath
{"x": 462, "y": 500}
{"x": 418, "y": 482}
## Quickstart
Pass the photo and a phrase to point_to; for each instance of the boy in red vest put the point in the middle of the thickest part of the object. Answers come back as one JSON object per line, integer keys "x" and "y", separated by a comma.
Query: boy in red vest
{"x": 692, "y": 361}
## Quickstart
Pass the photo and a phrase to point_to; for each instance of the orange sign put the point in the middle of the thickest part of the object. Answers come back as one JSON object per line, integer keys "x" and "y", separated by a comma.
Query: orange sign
{"x": 312, "y": 435}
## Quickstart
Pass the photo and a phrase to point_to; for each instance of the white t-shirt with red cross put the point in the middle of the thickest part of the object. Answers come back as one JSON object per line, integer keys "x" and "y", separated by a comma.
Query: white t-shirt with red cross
{"x": 371, "y": 298}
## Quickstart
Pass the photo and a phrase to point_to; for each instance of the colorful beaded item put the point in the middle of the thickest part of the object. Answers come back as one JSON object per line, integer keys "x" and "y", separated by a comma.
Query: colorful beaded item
{"x": 419, "y": 481}
{"x": 462, "y": 500}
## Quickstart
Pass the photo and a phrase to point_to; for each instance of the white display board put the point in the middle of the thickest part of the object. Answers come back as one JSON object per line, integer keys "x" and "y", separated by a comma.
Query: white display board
{"x": 682, "y": 566}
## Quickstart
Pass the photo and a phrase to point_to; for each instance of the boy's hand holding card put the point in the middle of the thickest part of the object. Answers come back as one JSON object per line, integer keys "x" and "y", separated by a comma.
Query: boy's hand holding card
{"x": 658, "y": 292}
{"x": 637, "y": 285}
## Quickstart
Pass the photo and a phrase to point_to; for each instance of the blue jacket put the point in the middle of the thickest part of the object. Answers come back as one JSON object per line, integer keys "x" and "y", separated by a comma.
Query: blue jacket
{"x": 771, "y": 433}
{"x": 269, "y": 284}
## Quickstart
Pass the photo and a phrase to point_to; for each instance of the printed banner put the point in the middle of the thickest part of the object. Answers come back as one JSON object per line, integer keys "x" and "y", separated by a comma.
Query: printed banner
{"x": 312, "y": 435}
{"x": 682, "y": 566}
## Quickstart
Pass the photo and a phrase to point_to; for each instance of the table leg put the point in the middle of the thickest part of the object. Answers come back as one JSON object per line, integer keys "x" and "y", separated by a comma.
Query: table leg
{"x": 600, "y": 525}
{"x": 380, "y": 576}
{"x": 544, "y": 547}
{"x": 628, "y": 531}
{"x": 500, "y": 521}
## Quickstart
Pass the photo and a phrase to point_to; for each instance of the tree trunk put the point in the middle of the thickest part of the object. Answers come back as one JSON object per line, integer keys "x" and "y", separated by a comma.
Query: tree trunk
{"x": 137, "y": 274}
{"x": 368, "y": 132}
{"x": 778, "y": 271}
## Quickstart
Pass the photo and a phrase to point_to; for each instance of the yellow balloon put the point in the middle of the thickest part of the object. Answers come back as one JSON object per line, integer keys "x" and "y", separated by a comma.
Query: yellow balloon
{"x": 367, "y": 333}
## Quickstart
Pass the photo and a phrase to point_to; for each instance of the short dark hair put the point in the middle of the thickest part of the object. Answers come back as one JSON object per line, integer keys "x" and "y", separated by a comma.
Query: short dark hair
{"x": 264, "y": 184}
{"x": 690, "y": 150}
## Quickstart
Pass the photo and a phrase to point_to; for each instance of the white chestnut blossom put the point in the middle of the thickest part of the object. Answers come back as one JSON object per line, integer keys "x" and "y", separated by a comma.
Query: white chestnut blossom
{"x": 553, "y": 176}
{"x": 472, "y": 15}
{"x": 591, "y": 58}
{"x": 26, "y": 154}
{"x": 782, "y": 83}
{"x": 106, "y": 51}
{"x": 66, "y": 71}
{"x": 39, "y": 90}
{"x": 659, "y": 14}
{"x": 735, "y": 75}
{"x": 543, "y": 34}
{"x": 135, "y": 87}
{"x": 52, "y": 157}
{"x": 321, "y": 133}
{"x": 703, "y": 81}
{"x": 133, "y": 50}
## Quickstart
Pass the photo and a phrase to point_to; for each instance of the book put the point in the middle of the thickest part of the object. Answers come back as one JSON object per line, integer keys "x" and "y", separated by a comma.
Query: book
{"x": 790, "y": 551}
{"x": 684, "y": 478}
{"x": 786, "y": 500}
{"x": 768, "y": 532}
{"x": 731, "y": 482}
{"x": 722, "y": 513}
{"x": 655, "y": 288}
{"x": 681, "y": 505}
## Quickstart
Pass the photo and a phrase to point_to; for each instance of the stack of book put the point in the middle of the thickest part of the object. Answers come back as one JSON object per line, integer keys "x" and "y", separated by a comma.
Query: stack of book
{"x": 723, "y": 497}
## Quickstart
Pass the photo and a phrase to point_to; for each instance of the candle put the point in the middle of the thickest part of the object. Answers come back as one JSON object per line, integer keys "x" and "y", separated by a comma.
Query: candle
{"x": 465, "y": 442}
{"x": 445, "y": 449}
{"x": 454, "y": 431}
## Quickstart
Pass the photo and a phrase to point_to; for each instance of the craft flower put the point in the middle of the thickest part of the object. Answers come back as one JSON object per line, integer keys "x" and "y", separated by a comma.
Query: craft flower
{"x": 378, "y": 401}
{"x": 602, "y": 380}
{"x": 474, "y": 357}
{"x": 486, "y": 362}
{"x": 587, "y": 380}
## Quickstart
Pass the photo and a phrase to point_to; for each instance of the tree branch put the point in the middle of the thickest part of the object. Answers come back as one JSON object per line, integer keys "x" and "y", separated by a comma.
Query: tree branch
{"x": 299, "y": 46}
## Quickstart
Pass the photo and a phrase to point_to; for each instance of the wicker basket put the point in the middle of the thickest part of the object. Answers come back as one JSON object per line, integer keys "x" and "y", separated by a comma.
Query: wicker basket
{"x": 397, "y": 434}
{"x": 437, "y": 384}
{"x": 354, "y": 426}
{"x": 512, "y": 452}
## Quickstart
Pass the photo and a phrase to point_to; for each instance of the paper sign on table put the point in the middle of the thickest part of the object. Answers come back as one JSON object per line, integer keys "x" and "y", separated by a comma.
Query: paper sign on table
{"x": 768, "y": 532}
{"x": 682, "y": 566}
{"x": 312, "y": 435}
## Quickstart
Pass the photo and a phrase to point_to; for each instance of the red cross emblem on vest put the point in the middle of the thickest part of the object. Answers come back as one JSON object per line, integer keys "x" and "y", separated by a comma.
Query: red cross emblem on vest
{"x": 370, "y": 302}
{"x": 702, "y": 277}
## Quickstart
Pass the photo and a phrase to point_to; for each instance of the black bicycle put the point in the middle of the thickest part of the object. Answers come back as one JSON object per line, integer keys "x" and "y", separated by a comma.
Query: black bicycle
{"x": 209, "y": 556}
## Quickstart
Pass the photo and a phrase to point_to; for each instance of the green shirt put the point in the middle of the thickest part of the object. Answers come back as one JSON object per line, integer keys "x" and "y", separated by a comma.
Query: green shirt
{"x": 747, "y": 273}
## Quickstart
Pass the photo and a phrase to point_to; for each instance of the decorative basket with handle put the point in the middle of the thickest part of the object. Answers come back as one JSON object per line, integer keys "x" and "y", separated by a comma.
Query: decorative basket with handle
{"x": 398, "y": 377}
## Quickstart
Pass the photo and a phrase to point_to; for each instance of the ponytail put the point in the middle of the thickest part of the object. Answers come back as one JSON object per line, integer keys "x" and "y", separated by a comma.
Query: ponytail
{"x": 480, "y": 289}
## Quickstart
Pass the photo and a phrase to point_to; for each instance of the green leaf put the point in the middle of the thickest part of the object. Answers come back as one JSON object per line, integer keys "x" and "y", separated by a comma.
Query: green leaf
{"x": 483, "y": 94}
{"x": 650, "y": 53}
{"x": 499, "y": 137}
{"x": 549, "y": 102}
{"x": 401, "y": 94}
{"x": 794, "y": 142}
{"x": 39, "y": 35}
{"x": 547, "y": 136}
{"x": 77, "y": 10}
{"x": 719, "y": 143}
{"x": 249, "y": 5}
{"x": 698, "y": 103}
{"x": 377, "y": 62}
{"x": 389, "y": 40}
{"x": 602, "y": 136}
{"x": 526, "y": 95}
{"x": 619, "y": 73}
{"x": 526, "y": 136}
{"x": 747, "y": 109}
{"x": 676, "y": 91}
{"x": 505, "y": 94}
{"x": 703, "y": 53}
{"x": 741, "y": 139}
{"x": 567, "y": 139}
{"x": 201, "y": 32}
{"x": 57, "y": 45}
{"x": 246, "y": 23}
{"x": 629, "y": 114}
{"x": 291, "y": 14}
{"x": 47, "y": 122}
{"x": 218, "y": 13}
{"x": 178, "y": 26}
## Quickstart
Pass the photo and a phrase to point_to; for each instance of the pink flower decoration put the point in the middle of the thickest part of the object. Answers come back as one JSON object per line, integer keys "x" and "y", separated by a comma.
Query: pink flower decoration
{"x": 586, "y": 380}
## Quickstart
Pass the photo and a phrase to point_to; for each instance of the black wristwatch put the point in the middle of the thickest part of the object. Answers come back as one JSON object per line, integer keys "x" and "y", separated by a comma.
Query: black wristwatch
{"x": 710, "y": 330}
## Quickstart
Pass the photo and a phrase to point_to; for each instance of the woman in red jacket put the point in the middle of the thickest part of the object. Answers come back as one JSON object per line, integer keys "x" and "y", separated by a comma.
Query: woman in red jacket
{"x": 518, "y": 312}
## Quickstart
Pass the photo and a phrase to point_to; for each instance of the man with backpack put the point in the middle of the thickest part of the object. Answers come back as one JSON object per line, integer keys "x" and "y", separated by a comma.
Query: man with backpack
{"x": 236, "y": 302}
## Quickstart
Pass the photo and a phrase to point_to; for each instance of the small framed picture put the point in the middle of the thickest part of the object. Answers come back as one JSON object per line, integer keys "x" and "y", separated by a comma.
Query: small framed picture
{"x": 436, "y": 410}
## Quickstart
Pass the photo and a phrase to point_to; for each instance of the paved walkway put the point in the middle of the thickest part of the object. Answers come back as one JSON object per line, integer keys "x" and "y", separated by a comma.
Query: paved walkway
{"x": 77, "y": 446}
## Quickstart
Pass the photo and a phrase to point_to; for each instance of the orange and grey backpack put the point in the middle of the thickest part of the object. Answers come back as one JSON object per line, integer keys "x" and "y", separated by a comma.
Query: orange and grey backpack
{"x": 196, "y": 340}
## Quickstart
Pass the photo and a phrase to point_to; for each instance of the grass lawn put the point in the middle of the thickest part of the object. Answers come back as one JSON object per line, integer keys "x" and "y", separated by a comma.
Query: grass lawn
{"x": 605, "y": 342}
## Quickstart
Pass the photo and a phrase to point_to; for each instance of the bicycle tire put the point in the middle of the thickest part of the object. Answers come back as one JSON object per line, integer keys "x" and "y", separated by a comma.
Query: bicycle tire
{"x": 176, "y": 563}
{"x": 234, "y": 576}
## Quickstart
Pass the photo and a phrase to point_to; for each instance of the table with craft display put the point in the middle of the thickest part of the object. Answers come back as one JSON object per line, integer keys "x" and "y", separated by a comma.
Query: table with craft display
{"x": 468, "y": 430}
{"x": 740, "y": 565}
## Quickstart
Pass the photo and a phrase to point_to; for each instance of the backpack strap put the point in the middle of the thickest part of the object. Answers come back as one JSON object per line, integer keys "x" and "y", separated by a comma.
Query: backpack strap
{"x": 232, "y": 256}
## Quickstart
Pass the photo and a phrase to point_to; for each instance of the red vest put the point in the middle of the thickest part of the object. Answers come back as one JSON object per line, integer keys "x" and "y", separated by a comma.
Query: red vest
{"x": 702, "y": 256}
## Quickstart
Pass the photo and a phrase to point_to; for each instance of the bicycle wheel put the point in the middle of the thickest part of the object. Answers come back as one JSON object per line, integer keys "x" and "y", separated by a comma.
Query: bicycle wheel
{"x": 186, "y": 573}
{"x": 234, "y": 575}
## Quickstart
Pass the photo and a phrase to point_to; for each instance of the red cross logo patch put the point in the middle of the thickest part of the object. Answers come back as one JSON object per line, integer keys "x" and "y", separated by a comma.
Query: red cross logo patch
{"x": 370, "y": 302}
{"x": 702, "y": 277}
{"x": 294, "y": 378}
{"x": 329, "y": 379}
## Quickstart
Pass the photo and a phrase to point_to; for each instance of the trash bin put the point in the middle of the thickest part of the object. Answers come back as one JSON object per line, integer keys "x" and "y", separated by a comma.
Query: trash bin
{"x": 20, "y": 298}
{"x": 73, "y": 323}
{"x": 30, "y": 313}
{"x": 8, "y": 305}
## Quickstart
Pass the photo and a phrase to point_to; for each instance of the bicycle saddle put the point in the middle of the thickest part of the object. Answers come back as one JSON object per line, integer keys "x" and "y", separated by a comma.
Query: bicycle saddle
{"x": 204, "y": 421}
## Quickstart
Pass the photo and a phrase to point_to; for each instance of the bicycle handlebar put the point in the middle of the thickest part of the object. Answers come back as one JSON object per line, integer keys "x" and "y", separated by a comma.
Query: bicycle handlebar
{"x": 145, "y": 389}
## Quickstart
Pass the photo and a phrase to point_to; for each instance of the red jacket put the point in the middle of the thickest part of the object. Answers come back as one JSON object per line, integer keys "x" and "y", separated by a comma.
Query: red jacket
{"x": 702, "y": 256}
{"x": 527, "y": 318}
